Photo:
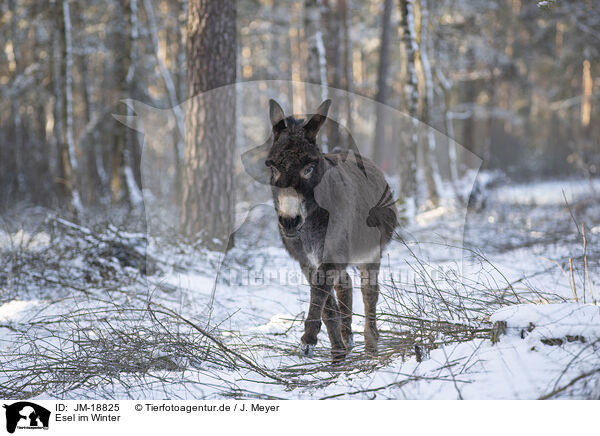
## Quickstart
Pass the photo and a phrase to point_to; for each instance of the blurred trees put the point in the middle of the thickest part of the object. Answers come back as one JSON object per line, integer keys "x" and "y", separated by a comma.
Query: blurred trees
{"x": 514, "y": 83}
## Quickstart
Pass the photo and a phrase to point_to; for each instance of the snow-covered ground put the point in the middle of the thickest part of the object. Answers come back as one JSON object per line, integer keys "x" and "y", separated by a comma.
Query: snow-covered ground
{"x": 79, "y": 320}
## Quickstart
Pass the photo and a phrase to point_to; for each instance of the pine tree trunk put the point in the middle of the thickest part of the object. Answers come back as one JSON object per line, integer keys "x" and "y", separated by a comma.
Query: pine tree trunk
{"x": 295, "y": 60}
{"x": 207, "y": 201}
{"x": 586, "y": 101}
{"x": 316, "y": 65}
{"x": 181, "y": 83}
{"x": 430, "y": 161}
{"x": 334, "y": 50}
{"x": 343, "y": 78}
{"x": 468, "y": 131}
{"x": 181, "y": 42}
{"x": 122, "y": 50}
{"x": 92, "y": 185}
{"x": 123, "y": 182}
{"x": 346, "y": 21}
{"x": 379, "y": 151}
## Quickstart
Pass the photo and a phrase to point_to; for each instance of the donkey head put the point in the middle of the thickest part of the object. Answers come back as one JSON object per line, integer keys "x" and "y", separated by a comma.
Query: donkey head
{"x": 296, "y": 164}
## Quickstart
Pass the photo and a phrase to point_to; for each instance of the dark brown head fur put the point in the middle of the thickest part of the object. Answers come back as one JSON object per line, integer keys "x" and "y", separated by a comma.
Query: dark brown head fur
{"x": 297, "y": 165}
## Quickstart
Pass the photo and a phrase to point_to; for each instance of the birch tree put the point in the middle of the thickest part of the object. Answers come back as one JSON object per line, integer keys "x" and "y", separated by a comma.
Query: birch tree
{"x": 131, "y": 139}
{"x": 68, "y": 162}
{"x": 17, "y": 127}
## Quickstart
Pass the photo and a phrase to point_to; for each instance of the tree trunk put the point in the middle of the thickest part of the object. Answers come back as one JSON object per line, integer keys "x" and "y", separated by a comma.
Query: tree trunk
{"x": 57, "y": 91}
{"x": 122, "y": 50}
{"x": 181, "y": 83}
{"x": 131, "y": 137}
{"x": 468, "y": 130}
{"x": 316, "y": 65}
{"x": 334, "y": 50}
{"x": 171, "y": 93}
{"x": 446, "y": 86}
{"x": 207, "y": 201}
{"x": 18, "y": 145}
{"x": 346, "y": 21}
{"x": 586, "y": 101}
{"x": 93, "y": 184}
{"x": 408, "y": 160}
{"x": 181, "y": 39}
{"x": 379, "y": 152}
{"x": 430, "y": 161}
{"x": 122, "y": 179}
{"x": 68, "y": 162}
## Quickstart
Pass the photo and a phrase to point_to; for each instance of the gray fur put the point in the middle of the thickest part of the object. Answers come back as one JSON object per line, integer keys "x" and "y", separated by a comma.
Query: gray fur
{"x": 347, "y": 216}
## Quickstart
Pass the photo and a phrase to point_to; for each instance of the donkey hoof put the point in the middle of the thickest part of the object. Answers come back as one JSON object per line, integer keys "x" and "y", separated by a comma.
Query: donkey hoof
{"x": 338, "y": 356}
{"x": 306, "y": 350}
{"x": 371, "y": 350}
{"x": 349, "y": 342}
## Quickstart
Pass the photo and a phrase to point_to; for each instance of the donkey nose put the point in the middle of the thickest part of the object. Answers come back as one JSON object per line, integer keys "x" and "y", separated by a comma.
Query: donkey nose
{"x": 290, "y": 224}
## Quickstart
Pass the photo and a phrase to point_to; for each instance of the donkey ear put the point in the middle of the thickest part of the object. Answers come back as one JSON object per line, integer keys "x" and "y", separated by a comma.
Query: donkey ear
{"x": 311, "y": 128}
{"x": 276, "y": 115}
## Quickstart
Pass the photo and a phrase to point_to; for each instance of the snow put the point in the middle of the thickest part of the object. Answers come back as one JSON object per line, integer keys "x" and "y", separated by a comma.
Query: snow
{"x": 12, "y": 310}
{"x": 21, "y": 238}
{"x": 258, "y": 302}
{"x": 278, "y": 323}
{"x": 551, "y": 321}
{"x": 547, "y": 193}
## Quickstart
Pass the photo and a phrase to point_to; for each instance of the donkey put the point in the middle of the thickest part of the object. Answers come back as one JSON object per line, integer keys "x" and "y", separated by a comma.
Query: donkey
{"x": 334, "y": 210}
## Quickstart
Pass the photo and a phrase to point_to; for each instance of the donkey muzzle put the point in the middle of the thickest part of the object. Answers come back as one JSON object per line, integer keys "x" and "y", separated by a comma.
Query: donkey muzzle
{"x": 291, "y": 211}
{"x": 291, "y": 226}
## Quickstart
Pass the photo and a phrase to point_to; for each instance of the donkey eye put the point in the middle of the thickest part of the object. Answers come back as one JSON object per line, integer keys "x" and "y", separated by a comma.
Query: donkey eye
{"x": 308, "y": 171}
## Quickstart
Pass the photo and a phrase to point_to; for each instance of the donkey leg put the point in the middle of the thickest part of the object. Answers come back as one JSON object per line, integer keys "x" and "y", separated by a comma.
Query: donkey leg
{"x": 331, "y": 318}
{"x": 370, "y": 291}
{"x": 319, "y": 291}
{"x": 343, "y": 289}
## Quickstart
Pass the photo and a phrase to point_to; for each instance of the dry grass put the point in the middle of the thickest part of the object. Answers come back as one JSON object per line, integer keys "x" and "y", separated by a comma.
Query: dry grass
{"x": 102, "y": 332}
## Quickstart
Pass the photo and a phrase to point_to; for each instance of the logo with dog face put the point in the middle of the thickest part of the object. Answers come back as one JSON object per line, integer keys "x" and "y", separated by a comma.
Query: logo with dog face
{"x": 26, "y": 415}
